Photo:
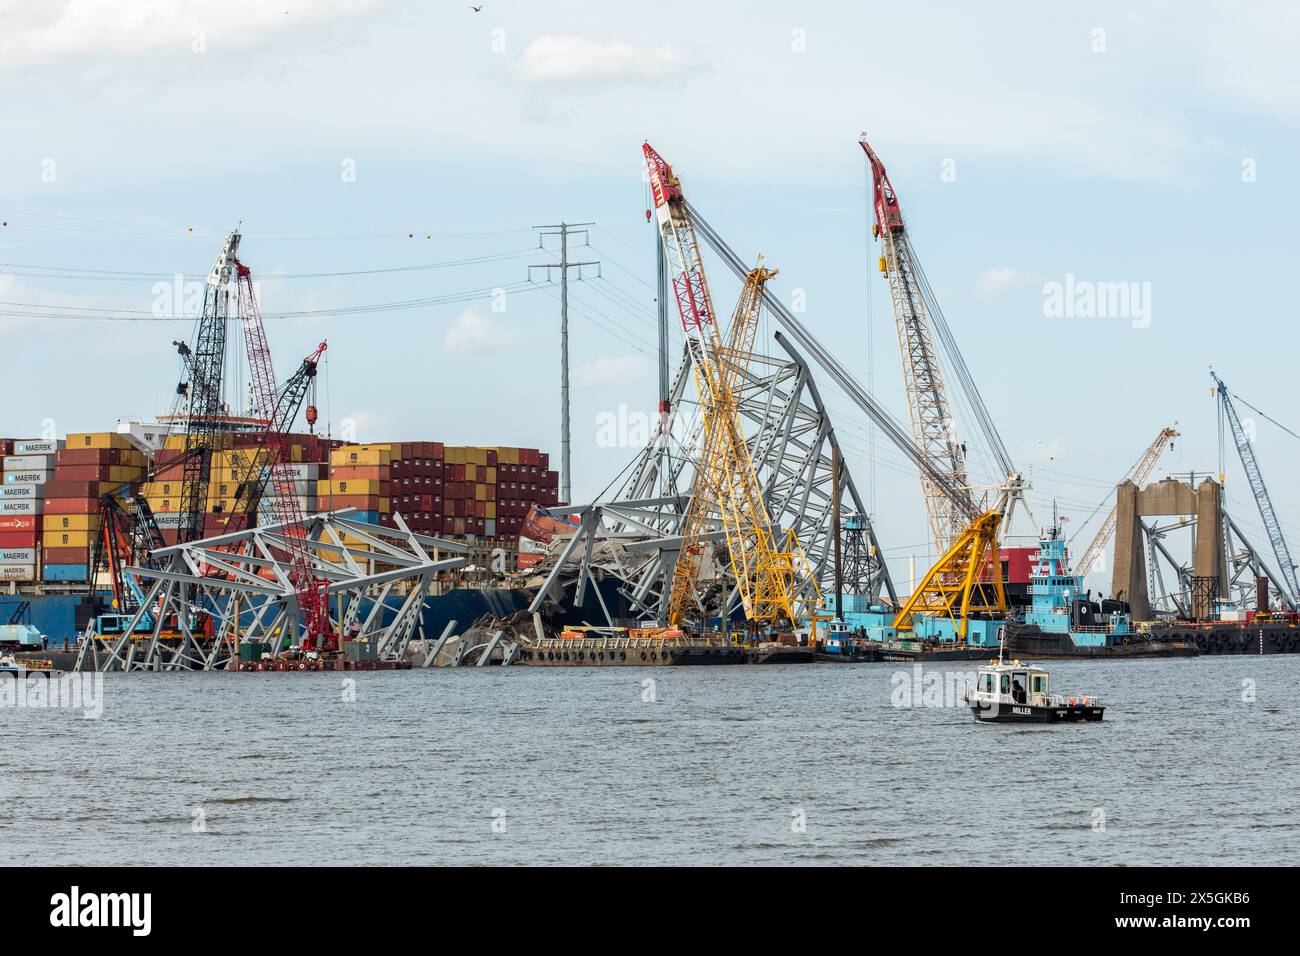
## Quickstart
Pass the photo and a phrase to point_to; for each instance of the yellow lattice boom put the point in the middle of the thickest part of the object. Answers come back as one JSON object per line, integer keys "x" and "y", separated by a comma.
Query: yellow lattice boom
{"x": 953, "y": 587}
{"x": 772, "y": 576}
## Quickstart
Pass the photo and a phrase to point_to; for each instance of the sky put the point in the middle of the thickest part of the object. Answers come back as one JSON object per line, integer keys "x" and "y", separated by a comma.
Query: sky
{"x": 386, "y": 163}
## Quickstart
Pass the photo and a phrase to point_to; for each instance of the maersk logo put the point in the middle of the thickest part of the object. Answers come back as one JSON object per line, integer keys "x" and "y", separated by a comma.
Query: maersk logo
{"x": 102, "y": 909}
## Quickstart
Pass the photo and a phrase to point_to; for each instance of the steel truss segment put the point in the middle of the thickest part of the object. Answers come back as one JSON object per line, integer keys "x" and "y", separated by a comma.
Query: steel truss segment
{"x": 791, "y": 438}
{"x": 207, "y": 594}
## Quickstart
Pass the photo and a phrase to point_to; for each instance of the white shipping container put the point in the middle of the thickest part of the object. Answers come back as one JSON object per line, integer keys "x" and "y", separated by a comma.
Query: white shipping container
{"x": 28, "y": 463}
{"x": 167, "y": 519}
{"x": 305, "y": 470}
{"x": 305, "y": 504}
{"x": 29, "y": 490}
{"x": 18, "y": 556}
{"x": 22, "y": 506}
{"x": 39, "y": 446}
{"x": 28, "y": 477}
{"x": 17, "y": 572}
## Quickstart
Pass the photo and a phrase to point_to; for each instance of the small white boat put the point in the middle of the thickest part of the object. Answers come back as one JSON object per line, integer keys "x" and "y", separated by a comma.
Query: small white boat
{"x": 1015, "y": 692}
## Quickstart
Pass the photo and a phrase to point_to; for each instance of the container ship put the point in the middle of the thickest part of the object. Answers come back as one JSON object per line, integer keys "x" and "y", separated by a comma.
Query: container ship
{"x": 51, "y": 502}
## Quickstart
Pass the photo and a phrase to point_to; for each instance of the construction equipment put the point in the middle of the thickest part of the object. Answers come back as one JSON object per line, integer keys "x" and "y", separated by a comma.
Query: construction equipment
{"x": 956, "y": 587}
{"x": 128, "y": 536}
{"x": 252, "y": 486}
{"x": 1138, "y": 475}
{"x": 311, "y": 591}
{"x": 771, "y": 575}
{"x": 977, "y": 571}
{"x": 1245, "y": 450}
{"x": 917, "y": 317}
{"x": 203, "y": 392}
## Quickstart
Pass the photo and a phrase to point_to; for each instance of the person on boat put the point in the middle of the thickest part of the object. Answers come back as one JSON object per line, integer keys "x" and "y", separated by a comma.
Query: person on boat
{"x": 1017, "y": 692}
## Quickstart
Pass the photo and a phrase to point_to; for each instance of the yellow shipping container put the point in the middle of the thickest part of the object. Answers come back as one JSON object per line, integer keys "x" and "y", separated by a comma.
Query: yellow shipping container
{"x": 177, "y": 442}
{"x": 491, "y": 473}
{"x": 453, "y": 455}
{"x": 350, "y": 486}
{"x": 98, "y": 440}
{"x": 362, "y": 455}
{"x": 491, "y": 510}
{"x": 72, "y": 523}
{"x": 485, "y": 492}
{"x": 122, "y": 473}
{"x": 239, "y": 460}
{"x": 507, "y": 456}
{"x": 67, "y": 539}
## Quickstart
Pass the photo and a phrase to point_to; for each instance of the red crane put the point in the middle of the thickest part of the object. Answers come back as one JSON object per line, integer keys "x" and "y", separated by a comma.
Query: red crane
{"x": 311, "y": 591}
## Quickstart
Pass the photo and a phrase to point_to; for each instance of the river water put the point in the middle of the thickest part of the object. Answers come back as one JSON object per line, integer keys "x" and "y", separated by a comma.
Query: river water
{"x": 1197, "y": 763}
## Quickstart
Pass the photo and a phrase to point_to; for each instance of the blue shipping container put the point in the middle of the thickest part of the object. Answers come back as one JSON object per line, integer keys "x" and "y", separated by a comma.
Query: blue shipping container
{"x": 65, "y": 572}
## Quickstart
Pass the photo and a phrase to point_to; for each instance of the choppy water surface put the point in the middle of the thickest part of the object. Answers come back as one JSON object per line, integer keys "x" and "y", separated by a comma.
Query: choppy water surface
{"x": 721, "y": 768}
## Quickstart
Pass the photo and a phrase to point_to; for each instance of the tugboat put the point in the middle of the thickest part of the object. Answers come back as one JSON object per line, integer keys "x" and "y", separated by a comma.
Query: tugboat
{"x": 1014, "y": 692}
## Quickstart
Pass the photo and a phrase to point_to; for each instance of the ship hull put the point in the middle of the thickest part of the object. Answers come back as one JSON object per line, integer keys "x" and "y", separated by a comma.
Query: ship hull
{"x": 1030, "y": 714}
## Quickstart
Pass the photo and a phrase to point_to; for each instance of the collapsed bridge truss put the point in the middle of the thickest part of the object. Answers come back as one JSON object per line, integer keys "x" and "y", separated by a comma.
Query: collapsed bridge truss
{"x": 635, "y": 534}
{"x": 207, "y": 596}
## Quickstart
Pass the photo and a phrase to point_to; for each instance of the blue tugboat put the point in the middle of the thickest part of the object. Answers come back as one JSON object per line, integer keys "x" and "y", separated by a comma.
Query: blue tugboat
{"x": 1062, "y": 618}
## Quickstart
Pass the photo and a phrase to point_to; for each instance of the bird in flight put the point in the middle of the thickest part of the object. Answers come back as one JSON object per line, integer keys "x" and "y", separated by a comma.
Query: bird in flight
{"x": 477, "y": 9}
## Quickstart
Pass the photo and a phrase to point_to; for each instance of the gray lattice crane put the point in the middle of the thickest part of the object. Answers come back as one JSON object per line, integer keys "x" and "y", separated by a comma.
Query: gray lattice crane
{"x": 1245, "y": 450}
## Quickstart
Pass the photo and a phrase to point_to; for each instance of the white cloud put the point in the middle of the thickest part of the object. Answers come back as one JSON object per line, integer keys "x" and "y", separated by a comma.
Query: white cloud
{"x": 564, "y": 58}
{"x": 475, "y": 332}
{"x": 36, "y": 33}
{"x": 608, "y": 370}
{"x": 996, "y": 281}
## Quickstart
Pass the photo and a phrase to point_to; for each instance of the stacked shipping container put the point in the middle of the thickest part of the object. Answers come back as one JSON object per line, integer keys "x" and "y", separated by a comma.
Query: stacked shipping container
{"x": 49, "y": 499}
{"x": 233, "y": 458}
{"x": 91, "y": 465}
{"x": 524, "y": 479}
{"x": 440, "y": 489}
{"x": 28, "y": 467}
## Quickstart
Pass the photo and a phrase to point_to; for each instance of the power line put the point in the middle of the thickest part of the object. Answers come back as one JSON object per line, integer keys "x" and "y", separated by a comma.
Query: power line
{"x": 99, "y": 314}
{"x": 111, "y": 275}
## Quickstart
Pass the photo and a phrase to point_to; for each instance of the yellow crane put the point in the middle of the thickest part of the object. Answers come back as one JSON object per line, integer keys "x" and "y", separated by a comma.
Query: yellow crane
{"x": 1141, "y": 472}
{"x": 956, "y": 587}
{"x": 772, "y": 573}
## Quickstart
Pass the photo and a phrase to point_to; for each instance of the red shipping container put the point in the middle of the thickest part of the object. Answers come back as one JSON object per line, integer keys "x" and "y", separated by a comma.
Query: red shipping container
{"x": 82, "y": 472}
{"x": 67, "y": 555}
{"x": 20, "y": 523}
{"x": 74, "y": 489}
{"x": 361, "y": 473}
{"x": 18, "y": 539}
{"x": 87, "y": 456}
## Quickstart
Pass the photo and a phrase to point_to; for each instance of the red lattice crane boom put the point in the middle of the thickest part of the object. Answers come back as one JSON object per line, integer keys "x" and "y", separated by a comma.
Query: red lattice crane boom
{"x": 311, "y": 592}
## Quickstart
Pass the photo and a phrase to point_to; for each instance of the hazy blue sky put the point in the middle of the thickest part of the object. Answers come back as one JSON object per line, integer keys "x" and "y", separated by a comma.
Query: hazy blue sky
{"x": 1115, "y": 142}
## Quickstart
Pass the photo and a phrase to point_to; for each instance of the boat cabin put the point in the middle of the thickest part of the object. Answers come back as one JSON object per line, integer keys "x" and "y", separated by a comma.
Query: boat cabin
{"x": 1013, "y": 682}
